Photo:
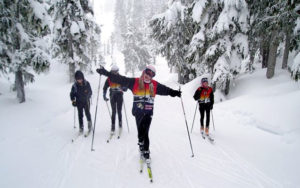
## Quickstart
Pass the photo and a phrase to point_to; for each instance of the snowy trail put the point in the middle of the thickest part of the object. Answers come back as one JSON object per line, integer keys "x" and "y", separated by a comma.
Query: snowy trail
{"x": 37, "y": 152}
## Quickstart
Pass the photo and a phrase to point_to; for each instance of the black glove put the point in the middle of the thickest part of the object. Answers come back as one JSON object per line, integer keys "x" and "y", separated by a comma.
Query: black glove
{"x": 175, "y": 93}
{"x": 105, "y": 98}
{"x": 211, "y": 106}
{"x": 74, "y": 103}
{"x": 102, "y": 71}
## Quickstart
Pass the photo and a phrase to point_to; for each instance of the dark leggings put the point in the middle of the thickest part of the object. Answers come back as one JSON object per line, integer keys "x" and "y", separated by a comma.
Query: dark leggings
{"x": 86, "y": 108}
{"x": 204, "y": 108}
{"x": 116, "y": 101}
{"x": 143, "y": 126}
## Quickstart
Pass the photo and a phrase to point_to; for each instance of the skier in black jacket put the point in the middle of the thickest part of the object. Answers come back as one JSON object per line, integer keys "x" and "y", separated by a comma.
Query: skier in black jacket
{"x": 205, "y": 97}
{"x": 144, "y": 90}
{"x": 116, "y": 99}
{"x": 80, "y": 95}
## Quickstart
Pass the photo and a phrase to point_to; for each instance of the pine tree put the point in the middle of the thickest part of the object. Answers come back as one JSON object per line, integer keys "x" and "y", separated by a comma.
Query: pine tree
{"x": 76, "y": 35}
{"x": 23, "y": 40}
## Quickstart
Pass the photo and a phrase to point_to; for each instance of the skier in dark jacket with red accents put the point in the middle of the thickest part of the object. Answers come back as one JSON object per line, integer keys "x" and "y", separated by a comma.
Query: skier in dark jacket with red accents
{"x": 144, "y": 90}
{"x": 116, "y": 99}
{"x": 205, "y": 97}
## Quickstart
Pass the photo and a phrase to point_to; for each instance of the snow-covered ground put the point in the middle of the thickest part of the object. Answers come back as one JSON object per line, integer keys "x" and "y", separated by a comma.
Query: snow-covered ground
{"x": 257, "y": 137}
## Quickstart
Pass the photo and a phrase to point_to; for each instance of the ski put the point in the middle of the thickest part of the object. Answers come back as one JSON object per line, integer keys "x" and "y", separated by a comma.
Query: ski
{"x": 202, "y": 134}
{"x": 141, "y": 164}
{"x": 88, "y": 133}
{"x": 210, "y": 139}
{"x": 149, "y": 170}
{"x": 148, "y": 163}
{"x": 110, "y": 137}
{"x": 120, "y": 132}
{"x": 75, "y": 137}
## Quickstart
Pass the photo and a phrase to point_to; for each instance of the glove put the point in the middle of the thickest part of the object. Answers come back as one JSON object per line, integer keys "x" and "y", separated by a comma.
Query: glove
{"x": 105, "y": 98}
{"x": 211, "y": 107}
{"x": 102, "y": 71}
{"x": 175, "y": 93}
{"x": 74, "y": 103}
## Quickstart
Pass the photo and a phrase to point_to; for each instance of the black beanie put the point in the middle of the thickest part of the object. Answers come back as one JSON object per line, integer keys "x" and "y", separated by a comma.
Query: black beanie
{"x": 79, "y": 75}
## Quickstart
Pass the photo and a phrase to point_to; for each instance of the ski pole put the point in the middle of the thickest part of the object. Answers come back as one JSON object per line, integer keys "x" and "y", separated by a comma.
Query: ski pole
{"x": 74, "y": 117}
{"x": 108, "y": 108}
{"x": 213, "y": 119}
{"x": 92, "y": 149}
{"x": 194, "y": 117}
{"x": 187, "y": 128}
{"x": 126, "y": 117}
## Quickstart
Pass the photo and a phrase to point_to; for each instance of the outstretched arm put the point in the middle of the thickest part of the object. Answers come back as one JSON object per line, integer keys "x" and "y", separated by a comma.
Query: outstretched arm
{"x": 122, "y": 80}
{"x": 164, "y": 90}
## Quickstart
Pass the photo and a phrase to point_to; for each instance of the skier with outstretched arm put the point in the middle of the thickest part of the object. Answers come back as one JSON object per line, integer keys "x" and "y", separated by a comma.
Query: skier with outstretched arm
{"x": 144, "y": 90}
{"x": 80, "y": 95}
{"x": 205, "y": 97}
{"x": 116, "y": 99}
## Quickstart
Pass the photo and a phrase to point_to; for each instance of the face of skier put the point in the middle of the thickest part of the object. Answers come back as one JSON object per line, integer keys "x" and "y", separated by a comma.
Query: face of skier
{"x": 205, "y": 84}
{"x": 79, "y": 81}
{"x": 114, "y": 72}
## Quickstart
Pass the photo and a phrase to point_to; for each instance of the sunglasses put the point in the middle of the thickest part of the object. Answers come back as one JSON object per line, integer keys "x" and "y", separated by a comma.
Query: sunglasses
{"x": 150, "y": 73}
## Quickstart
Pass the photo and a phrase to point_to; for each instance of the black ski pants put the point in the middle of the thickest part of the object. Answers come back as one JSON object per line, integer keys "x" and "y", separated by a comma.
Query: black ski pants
{"x": 86, "y": 108}
{"x": 143, "y": 126}
{"x": 116, "y": 102}
{"x": 204, "y": 109}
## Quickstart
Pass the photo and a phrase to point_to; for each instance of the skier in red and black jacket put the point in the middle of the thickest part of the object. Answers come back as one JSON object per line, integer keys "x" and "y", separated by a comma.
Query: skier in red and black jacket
{"x": 205, "y": 97}
{"x": 144, "y": 90}
{"x": 116, "y": 99}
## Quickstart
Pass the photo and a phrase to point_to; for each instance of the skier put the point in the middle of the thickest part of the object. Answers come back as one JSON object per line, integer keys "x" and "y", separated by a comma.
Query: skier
{"x": 144, "y": 90}
{"x": 205, "y": 97}
{"x": 80, "y": 95}
{"x": 116, "y": 99}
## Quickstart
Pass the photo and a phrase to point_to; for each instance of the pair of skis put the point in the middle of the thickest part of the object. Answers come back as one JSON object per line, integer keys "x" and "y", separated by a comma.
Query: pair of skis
{"x": 112, "y": 135}
{"x": 209, "y": 138}
{"x": 79, "y": 134}
{"x": 148, "y": 164}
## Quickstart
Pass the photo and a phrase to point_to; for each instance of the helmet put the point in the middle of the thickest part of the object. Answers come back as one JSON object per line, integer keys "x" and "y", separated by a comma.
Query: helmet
{"x": 204, "y": 80}
{"x": 150, "y": 70}
{"x": 114, "y": 68}
{"x": 79, "y": 75}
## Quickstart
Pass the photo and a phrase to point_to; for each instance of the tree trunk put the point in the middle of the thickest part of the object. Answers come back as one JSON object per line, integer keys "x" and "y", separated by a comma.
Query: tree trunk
{"x": 19, "y": 84}
{"x": 72, "y": 71}
{"x": 286, "y": 49}
{"x": 71, "y": 56}
{"x": 265, "y": 54}
{"x": 272, "y": 55}
{"x": 227, "y": 86}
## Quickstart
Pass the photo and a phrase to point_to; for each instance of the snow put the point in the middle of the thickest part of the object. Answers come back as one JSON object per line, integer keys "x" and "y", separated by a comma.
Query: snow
{"x": 75, "y": 29}
{"x": 257, "y": 137}
{"x": 198, "y": 9}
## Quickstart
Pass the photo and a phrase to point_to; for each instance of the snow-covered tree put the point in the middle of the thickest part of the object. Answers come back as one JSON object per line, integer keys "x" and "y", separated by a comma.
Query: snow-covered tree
{"x": 24, "y": 45}
{"x": 76, "y": 35}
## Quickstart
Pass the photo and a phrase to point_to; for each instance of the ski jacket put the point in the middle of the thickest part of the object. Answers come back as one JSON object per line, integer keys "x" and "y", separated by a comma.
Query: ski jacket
{"x": 204, "y": 95}
{"x": 81, "y": 93}
{"x": 114, "y": 88}
{"x": 143, "y": 100}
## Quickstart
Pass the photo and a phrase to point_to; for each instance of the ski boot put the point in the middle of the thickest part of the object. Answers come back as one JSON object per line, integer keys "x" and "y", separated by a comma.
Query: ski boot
{"x": 90, "y": 126}
{"x": 146, "y": 155}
